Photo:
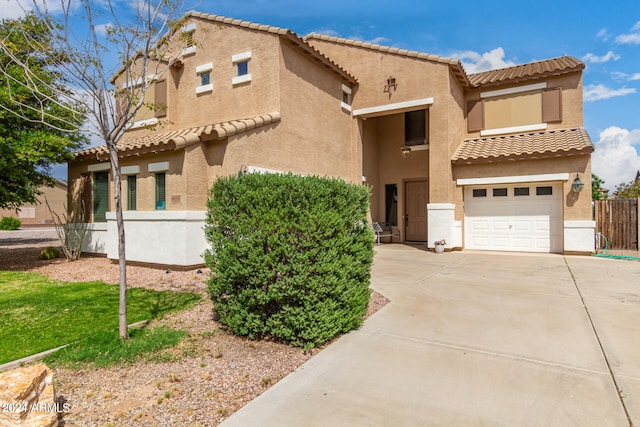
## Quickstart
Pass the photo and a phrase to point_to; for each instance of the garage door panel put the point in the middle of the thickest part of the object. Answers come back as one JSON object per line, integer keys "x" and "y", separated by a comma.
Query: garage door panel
{"x": 501, "y": 243}
{"x": 514, "y": 223}
{"x": 522, "y": 243}
{"x": 500, "y": 225}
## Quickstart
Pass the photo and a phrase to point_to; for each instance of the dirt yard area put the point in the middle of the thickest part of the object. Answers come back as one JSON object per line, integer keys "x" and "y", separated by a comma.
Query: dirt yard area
{"x": 214, "y": 373}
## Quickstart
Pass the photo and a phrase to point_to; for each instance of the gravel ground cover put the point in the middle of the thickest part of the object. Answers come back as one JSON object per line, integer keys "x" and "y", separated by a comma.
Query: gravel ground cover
{"x": 202, "y": 381}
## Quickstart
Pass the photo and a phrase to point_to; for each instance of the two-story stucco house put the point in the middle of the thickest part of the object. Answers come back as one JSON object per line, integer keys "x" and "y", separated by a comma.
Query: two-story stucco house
{"x": 484, "y": 161}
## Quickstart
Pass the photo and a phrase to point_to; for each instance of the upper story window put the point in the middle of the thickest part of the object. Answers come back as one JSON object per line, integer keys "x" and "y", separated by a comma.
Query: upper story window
{"x": 204, "y": 73}
{"x": 243, "y": 68}
{"x": 415, "y": 127}
{"x": 155, "y": 100}
{"x": 188, "y": 37}
{"x": 205, "y": 78}
{"x": 346, "y": 98}
{"x": 241, "y": 62}
{"x": 518, "y": 109}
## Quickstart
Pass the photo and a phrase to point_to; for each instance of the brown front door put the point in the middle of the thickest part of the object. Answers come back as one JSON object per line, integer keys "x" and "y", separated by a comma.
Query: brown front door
{"x": 416, "y": 197}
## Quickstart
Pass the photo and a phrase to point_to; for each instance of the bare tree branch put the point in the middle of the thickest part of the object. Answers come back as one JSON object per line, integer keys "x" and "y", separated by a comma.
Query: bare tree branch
{"x": 141, "y": 41}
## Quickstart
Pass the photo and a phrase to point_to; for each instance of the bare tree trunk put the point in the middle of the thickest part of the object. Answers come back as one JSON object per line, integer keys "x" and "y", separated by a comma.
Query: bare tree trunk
{"x": 122, "y": 259}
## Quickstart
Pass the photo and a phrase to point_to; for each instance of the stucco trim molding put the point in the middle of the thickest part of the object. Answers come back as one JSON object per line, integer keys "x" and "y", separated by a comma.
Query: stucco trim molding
{"x": 514, "y": 129}
{"x": 133, "y": 216}
{"x": 513, "y": 179}
{"x": 380, "y": 110}
{"x": 513, "y": 90}
{"x": 99, "y": 167}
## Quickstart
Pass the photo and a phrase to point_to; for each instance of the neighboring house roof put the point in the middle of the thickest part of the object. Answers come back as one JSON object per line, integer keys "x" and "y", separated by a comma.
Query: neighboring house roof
{"x": 454, "y": 64}
{"x": 554, "y": 143}
{"x": 155, "y": 142}
{"x": 528, "y": 71}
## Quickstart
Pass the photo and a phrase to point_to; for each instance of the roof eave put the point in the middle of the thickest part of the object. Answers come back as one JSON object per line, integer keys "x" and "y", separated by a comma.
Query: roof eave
{"x": 520, "y": 157}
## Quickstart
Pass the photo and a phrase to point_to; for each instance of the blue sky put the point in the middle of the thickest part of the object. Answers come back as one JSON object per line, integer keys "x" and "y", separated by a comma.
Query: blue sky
{"x": 492, "y": 34}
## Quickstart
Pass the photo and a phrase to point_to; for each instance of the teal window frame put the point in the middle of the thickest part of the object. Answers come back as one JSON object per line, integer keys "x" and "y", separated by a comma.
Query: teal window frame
{"x": 161, "y": 191}
{"x": 100, "y": 196}
{"x": 132, "y": 192}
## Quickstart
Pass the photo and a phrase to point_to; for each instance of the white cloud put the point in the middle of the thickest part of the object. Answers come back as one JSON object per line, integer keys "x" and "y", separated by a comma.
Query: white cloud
{"x": 103, "y": 28}
{"x": 379, "y": 40}
{"x": 603, "y": 34}
{"x": 598, "y": 92}
{"x": 475, "y": 62}
{"x": 632, "y": 38}
{"x": 326, "y": 32}
{"x": 618, "y": 76}
{"x": 610, "y": 56}
{"x": 615, "y": 159}
{"x": 11, "y": 9}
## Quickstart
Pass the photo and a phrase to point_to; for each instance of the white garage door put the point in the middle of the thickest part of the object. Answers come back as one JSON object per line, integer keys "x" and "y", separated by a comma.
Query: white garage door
{"x": 515, "y": 217}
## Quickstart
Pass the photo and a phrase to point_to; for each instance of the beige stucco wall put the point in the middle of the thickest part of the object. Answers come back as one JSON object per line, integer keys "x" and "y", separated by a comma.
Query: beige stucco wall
{"x": 57, "y": 198}
{"x": 416, "y": 79}
{"x": 216, "y": 44}
{"x": 385, "y": 165}
{"x": 315, "y": 135}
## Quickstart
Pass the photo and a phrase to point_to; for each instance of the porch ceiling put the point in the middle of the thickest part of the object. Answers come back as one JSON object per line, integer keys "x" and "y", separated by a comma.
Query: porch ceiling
{"x": 555, "y": 143}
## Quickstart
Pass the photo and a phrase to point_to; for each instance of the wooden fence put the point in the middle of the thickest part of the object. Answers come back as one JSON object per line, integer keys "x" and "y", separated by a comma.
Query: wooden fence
{"x": 617, "y": 220}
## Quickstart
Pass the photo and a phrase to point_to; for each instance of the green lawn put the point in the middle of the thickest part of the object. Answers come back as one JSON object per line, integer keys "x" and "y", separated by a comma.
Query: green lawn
{"x": 37, "y": 314}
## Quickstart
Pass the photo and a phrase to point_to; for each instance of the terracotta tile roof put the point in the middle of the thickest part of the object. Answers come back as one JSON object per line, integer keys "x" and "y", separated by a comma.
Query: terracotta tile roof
{"x": 284, "y": 33}
{"x": 154, "y": 141}
{"x": 554, "y": 143}
{"x": 529, "y": 71}
{"x": 454, "y": 64}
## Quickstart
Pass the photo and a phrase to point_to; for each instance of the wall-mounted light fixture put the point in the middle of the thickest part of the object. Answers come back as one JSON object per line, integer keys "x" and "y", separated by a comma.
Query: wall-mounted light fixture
{"x": 405, "y": 150}
{"x": 391, "y": 85}
{"x": 577, "y": 185}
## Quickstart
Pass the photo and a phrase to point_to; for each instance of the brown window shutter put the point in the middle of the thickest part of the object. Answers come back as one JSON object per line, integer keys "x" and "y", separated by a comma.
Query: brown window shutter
{"x": 552, "y": 105}
{"x": 160, "y": 98}
{"x": 475, "y": 115}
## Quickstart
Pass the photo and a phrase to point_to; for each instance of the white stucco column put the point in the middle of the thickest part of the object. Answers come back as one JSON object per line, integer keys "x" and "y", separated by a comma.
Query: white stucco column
{"x": 579, "y": 236}
{"x": 441, "y": 224}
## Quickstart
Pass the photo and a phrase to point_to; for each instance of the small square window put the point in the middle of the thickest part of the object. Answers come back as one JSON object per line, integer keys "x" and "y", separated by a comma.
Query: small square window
{"x": 544, "y": 191}
{"x": 345, "y": 98}
{"x": 480, "y": 192}
{"x": 205, "y": 78}
{"x": 499, "y": 192}
{"x": 243, "y": 68}
{"x": 521, "y": 191}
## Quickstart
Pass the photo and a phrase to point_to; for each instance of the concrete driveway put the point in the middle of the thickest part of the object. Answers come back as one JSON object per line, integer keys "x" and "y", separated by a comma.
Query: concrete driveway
{"x": 476, "y": 339}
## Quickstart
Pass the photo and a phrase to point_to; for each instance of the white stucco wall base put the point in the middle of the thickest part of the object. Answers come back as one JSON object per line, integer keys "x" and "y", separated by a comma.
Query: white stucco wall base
{"x": 95, "y": 241}
{"x": 169, "y": 238}
{"x": 579, "y": 236}
{"x": 441, "y": 224}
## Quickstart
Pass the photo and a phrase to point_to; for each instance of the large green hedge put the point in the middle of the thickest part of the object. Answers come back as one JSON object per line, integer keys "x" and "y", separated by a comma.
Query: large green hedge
{"x": 291, "y": 256}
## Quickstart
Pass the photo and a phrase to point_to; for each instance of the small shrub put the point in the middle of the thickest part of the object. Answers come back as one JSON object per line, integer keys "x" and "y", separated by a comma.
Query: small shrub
{"x": 290, "y": 256}
{"x": 49, "y": 253}
{"x": 10, "y": 223}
